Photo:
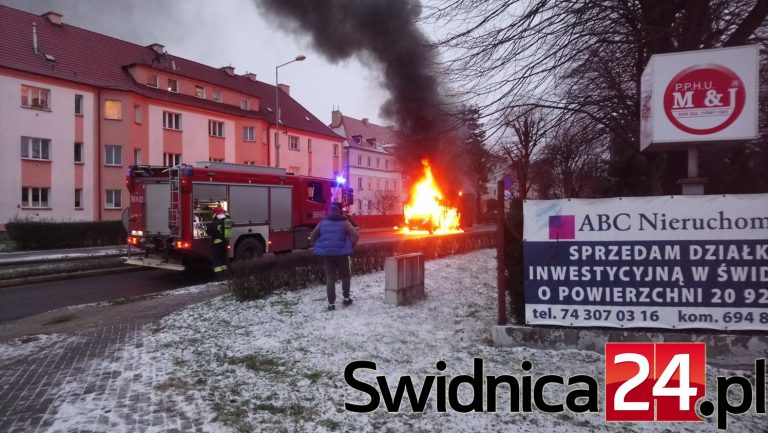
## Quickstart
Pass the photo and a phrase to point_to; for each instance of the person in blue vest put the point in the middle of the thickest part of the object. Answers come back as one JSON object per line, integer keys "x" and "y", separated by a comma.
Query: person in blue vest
{"x": 334, "y": 240}
{"x": 220, "y": 231}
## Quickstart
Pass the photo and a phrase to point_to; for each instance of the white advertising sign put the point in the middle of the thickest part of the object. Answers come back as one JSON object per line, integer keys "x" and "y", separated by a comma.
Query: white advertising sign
{"x": 704, "y": 96}
{"x": 652, "y": 262}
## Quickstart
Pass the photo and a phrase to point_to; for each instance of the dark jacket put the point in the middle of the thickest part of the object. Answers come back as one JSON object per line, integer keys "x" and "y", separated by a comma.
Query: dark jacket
{"x": 334, "y": 236}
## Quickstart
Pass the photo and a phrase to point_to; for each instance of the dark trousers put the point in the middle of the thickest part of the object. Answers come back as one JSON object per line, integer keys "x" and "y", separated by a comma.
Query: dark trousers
{"x": 337, "y": 267}
{"x": 219, "y": 257}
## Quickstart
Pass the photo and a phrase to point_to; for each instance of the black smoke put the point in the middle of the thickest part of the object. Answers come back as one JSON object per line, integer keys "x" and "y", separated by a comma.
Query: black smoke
{"x": 385, "y": 32}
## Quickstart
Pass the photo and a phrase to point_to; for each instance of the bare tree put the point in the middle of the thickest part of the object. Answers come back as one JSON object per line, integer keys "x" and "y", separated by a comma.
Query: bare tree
{"x": 574, "y": 157}
{"x": 386, "y": 202}
{"x": 524, "y": 147}
{"x": 584, "y": 59}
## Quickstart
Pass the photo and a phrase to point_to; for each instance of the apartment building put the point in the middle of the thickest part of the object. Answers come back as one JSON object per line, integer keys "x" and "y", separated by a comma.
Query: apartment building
{"x": 370, "y": 165}
{"x": 77, "y": 108}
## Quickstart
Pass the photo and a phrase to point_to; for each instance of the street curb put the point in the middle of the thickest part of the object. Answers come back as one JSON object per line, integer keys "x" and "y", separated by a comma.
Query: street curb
{"x": 5, "y": 284}
{"x": 725, "y": 350}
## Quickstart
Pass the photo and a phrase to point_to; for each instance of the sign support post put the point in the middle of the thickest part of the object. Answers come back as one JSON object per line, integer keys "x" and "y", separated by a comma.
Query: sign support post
{"x": 693, "y": 184}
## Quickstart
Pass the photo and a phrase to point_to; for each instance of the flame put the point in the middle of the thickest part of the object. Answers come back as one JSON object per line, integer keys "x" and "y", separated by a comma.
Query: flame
{"x": 427, "y": 211}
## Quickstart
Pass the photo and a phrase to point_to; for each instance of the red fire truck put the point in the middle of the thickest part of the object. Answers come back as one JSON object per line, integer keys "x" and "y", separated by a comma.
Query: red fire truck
{"x": 271, "y": 211}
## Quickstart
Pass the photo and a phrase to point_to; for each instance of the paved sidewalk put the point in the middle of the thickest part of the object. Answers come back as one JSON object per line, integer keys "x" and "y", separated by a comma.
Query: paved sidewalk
{"x": 29, "y": 256}
{"x": 43, "y": 375}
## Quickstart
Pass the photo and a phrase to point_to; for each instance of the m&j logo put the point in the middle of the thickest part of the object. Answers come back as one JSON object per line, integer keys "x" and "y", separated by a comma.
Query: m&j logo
{"x": 562, "y": 227}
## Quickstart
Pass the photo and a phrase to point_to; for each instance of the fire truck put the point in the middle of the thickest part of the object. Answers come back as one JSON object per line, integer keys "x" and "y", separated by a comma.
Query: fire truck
{"x": 272, "y": 211}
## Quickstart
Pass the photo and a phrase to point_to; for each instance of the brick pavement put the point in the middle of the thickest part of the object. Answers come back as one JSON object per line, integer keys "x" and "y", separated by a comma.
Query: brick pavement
{"x": 52, "y": 383}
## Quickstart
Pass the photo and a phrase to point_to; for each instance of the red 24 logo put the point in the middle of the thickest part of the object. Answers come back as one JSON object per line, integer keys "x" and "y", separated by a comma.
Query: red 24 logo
{"x": 654, "y": 381}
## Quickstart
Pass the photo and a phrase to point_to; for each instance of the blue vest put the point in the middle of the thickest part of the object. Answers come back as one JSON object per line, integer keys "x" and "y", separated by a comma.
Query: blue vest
{"x": 334, "y": 239}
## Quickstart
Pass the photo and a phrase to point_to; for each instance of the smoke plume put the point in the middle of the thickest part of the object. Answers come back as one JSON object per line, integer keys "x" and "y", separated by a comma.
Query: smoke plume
{"x": 386, "y": 32}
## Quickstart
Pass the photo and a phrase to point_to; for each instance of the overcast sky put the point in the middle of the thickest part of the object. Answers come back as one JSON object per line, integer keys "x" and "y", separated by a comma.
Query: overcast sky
{"x": 224, "y": 32}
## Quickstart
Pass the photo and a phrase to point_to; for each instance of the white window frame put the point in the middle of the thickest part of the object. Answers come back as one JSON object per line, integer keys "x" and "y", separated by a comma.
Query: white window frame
{"x": 28, "y": 194}
{"x": 113, "y": 109}
{"x": 215, "y": 128}
{"x": 245, "y": 104}
{"x": 43, "y": 145}
{"x": 35, "y": 97}
{"x": 335, "y": 149}
{"x": 200, "y": 91}
{"x": 360, "y": 160}
{"x": 110, "y": 196}
{"x": 172, "y": 120}
{"x": 171, "y": 159}
{"x": 153, "y": 80}
{"x": 173, "y": 85}
{"x": 81, "y": 160}
{"x": 113, "y": 155}
{"x": 293, "y": 142}
{"x": 217, "y": 96}
{"x": 79, "y": 104}
{"x": 137, "y": 114}
{"x": 136, "y": 156}
{"x": 249, "y": 133}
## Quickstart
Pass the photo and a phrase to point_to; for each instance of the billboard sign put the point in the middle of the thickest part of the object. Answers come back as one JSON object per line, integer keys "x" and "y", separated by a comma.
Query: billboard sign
{"x": 653, "y": 262}
{"x": 699, "y": 96}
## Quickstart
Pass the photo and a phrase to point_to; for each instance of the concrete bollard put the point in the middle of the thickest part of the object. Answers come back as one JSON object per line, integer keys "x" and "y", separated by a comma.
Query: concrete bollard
{"x": 404, "y": 279}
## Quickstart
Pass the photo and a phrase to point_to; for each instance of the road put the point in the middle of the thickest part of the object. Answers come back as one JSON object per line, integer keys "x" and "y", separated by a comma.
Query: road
{"x": 26, "y": 300}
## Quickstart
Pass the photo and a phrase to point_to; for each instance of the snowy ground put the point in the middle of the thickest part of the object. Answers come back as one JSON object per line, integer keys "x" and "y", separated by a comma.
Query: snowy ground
{"x": 278, "y": 365}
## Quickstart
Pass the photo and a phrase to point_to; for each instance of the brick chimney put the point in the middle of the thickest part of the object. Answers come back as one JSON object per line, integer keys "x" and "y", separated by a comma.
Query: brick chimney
{"x": 335, "y": 118}
{"x": 230, "y": 70}
{"x": 285, "y": 88}
{"x": 53, "y": 17}
{"x": 251, "y": 76}
{"x": 365, "y": 121}
{"x": 158, "y": 48}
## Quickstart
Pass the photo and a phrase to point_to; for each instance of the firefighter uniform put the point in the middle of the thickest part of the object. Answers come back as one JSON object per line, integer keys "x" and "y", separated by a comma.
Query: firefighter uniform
{"x": 220, "y": 231}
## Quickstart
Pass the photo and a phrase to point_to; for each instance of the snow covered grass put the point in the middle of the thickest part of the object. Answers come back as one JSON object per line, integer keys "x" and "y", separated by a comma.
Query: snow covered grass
{"x": 277, "y": 364}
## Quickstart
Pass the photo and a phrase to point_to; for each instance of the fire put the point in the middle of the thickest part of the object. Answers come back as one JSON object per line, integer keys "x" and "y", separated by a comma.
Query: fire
{"x": 428, "y": 211}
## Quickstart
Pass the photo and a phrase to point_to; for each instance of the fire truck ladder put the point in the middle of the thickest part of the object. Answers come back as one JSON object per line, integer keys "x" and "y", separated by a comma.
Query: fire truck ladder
{"x": 174, "y": 209}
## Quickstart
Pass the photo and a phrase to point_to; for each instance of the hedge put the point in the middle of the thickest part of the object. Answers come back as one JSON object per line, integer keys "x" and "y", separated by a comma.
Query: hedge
{"x": 41, "y": 235}
{"x": 256, "y": 279}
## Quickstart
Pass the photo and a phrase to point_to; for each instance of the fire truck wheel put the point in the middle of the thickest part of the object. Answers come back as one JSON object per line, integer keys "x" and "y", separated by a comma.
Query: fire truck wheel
{"x": 249, "y": 249}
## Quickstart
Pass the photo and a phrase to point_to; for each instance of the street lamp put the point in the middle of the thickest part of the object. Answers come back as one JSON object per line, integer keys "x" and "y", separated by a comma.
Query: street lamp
{"x": 298, "y": 58}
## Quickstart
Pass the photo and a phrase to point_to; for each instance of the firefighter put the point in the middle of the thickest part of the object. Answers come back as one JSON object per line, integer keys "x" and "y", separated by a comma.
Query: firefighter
{"x": 220, "y": 231}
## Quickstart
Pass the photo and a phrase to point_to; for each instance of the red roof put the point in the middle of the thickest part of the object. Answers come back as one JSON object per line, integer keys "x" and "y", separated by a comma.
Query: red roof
{"x": 98, "y": 60}
{"x": 370, "y": 133}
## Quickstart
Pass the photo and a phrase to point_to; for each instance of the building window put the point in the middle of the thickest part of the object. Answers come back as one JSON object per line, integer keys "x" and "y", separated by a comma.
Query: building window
{"x": 113, "y": 154}
{"x": 79, "y": 105}
{"x": 34, "y": 197}
{"x": 216, "y": 159}
{"x": 249, "y": 162}
{"x": 249, "y": 133}
{"x": 113, "y": 110}
{"x": 171, "y": 159}
{"x": 35, "y": 97}
{"x": 36, "y": 148}
{"x": 386, "y": 185}
{"x": 386, "y": 164}
{"x": 335, "y": 149}
{"x": 360, "y": 160}
{"x": 79, "y": 153}
{"x": 245, "y": 104}
{"x": 359, "y": 183}
{"x": 369, "y": 183}
{"x": 369, "y": 161}
{"x": 378, "y": 184}
{"x": 173, "y": 85}
{"x": 377, "y": 162}
{"x": 215, "y": 128}
{"x": 394, "y": 185}
{"x": 171, "y": 120}
{"x": 309, "y": 145}
{"x": 137, "y": 114}
{"x": 113, "y": 199}
{"x": 152, "y": 80}
{"x": 293, "y": 142}
{"x": 78, "y": 198}
{"x": 370, "y": 205}
{"x": 359, "y": 205}
{"x": 217, "y": 96}
{"x": 200, "y": 92}
{"x": 136, "y": 156}
{"x": 294, "y": 169}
